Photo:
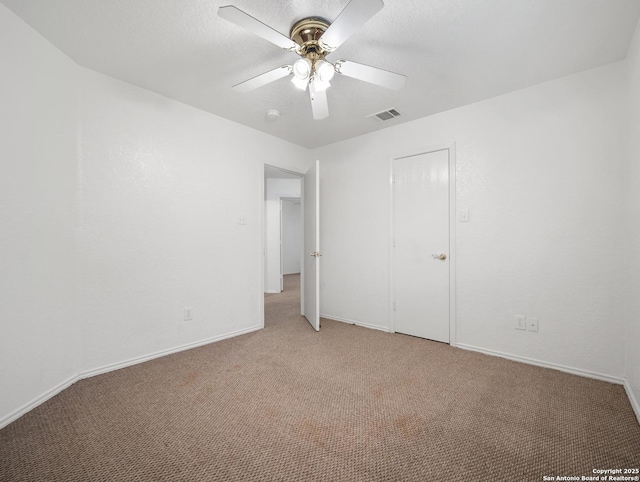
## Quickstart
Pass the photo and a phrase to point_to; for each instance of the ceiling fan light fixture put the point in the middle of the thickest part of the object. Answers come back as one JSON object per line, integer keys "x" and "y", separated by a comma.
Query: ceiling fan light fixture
{"x": 302, "y": 69}
{"x": 313, "y": 89}
{"x": 325, "y": 70}
{"x": 317, "y": 84}
{"x": 300, "y": 83}
{"x": 313, "y": 38}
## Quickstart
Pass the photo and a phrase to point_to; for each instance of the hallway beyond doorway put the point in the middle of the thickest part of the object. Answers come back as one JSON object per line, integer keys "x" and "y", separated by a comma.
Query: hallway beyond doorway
{"x": 284, "y": 307}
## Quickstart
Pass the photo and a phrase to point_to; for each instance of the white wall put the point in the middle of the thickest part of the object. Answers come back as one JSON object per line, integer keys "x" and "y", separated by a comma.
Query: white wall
{"x": 118, "y": 209}
{"x": 162, "y": 188}
{"x": 540, "y": 171}
{"x": 275, "y": 189}
{"x": 291, "y": 235}
{"x": 632, "y": 261}
{"x": 39, "y": 335}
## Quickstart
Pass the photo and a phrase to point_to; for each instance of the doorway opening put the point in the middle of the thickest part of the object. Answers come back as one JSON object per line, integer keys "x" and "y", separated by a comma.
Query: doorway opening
{"x": 283, "y": 241}
{"x": 290, "y": 237}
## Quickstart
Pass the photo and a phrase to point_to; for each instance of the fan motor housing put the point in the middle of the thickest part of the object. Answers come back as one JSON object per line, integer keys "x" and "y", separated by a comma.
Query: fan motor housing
{"x": 306, "y": 33}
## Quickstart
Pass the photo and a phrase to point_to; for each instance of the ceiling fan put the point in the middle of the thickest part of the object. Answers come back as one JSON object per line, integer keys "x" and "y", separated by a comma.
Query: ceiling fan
{"x": 313, "y": 38}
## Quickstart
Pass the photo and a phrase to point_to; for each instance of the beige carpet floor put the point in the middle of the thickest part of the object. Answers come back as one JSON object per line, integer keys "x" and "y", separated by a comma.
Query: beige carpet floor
{"x": 345, "y": 404}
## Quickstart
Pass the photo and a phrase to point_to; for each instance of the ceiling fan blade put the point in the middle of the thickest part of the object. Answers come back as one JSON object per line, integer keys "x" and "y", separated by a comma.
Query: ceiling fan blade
{"x": 373, "y": 75}
{"x": 319, "y": 104}
{"x": 253, "y": 25}
{"x": 352, "y": 17}
{"x": 263, "y": 79}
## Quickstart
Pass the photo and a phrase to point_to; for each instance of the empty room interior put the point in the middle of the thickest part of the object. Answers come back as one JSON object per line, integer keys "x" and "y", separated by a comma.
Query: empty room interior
{"x": 338, "y": 240}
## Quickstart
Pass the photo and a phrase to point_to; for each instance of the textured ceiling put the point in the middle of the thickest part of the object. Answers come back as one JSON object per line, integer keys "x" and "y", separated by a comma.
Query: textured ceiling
{"x": 454, "y": 52}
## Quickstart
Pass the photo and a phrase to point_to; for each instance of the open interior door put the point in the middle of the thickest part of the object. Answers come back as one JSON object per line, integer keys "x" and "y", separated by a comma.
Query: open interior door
{"x": 311, "y": 253}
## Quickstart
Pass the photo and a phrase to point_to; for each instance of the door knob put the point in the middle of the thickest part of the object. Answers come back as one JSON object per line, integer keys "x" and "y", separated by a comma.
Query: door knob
{"x": 439, "y": 256}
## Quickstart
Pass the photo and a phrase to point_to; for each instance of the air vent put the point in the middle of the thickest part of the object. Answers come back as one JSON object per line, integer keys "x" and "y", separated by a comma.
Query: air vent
{"x": 385, "y": 115}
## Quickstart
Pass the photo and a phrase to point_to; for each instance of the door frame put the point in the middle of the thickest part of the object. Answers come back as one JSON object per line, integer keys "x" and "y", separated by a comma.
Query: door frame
{"x": 451, "y": 147}
{"x": 263, "y": 233}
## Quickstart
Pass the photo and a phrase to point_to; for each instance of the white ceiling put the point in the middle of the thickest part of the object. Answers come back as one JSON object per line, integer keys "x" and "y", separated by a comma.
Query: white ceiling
{"x": 454, "y": 52}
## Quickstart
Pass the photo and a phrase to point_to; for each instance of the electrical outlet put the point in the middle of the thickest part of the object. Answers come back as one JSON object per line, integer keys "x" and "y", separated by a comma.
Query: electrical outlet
{"x": 532, "y": 324}
{"x": 188, "y": 314}
{"x": 521, "y": 322}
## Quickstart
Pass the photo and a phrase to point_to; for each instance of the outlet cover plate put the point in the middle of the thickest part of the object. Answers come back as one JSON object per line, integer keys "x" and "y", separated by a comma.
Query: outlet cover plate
{"x": 532, "y": 324}
{"x": 521, "y": 322}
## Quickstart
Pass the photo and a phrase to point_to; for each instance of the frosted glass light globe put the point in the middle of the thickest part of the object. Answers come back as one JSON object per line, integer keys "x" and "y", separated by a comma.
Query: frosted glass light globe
{"x": 302, "y": 68}
{"x": 325, "y": 70}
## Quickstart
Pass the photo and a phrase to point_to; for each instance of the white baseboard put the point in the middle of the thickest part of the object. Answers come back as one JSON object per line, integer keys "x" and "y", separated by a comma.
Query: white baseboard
{"x": 540, "y": 363}
{"x": 114, "y": 366}
{"x": 158, "y": 354}
{"x": 27, "y": 407}
{"x": 354, "y": 322}
{"x": 293, "y": 272}
{"x": 632, "y": 399}
{"x": 272, "y": 292}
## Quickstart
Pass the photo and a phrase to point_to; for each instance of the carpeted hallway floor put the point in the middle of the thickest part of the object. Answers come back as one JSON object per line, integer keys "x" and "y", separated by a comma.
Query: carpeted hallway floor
{"x": 345, "y": 404}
